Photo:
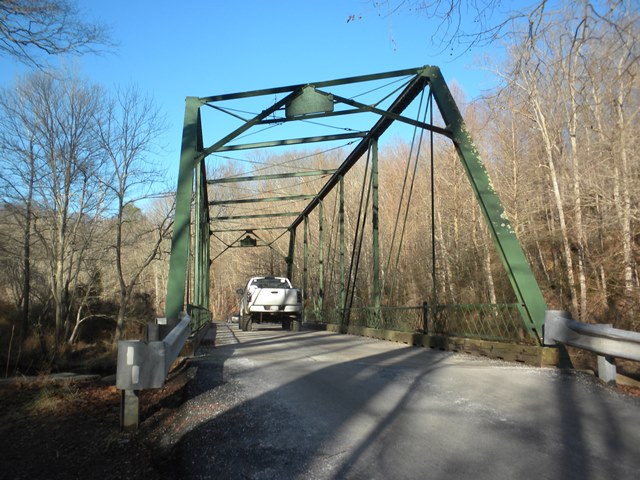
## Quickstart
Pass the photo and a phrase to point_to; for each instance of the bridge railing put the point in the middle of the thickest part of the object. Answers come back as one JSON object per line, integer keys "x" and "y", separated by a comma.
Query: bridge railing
{"x": 145, "y": 364}
{"x": 200, "y": 316}
{"x": 487, "y": 321}
{"x": 607, "y": 342}
{"x": 483, "y": 321}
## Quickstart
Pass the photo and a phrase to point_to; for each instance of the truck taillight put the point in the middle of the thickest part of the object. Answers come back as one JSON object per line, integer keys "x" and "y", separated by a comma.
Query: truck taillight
{"x": 248, "y": 296}
{"x": 299, "y": 296}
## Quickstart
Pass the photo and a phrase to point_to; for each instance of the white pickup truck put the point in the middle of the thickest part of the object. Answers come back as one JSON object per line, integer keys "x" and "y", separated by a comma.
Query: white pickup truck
{"x": 270, "y": 299}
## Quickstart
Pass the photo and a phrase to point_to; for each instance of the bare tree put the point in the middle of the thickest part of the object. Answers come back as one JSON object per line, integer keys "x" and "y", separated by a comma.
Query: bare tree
{"x": 466, "y": 24}
{"x": 128, "y": 133}
{"x": 18, "y": 147}
{"x": 570, "y": 82}
{"x": 29, "y": 28}
{"x": 67, "y": 190}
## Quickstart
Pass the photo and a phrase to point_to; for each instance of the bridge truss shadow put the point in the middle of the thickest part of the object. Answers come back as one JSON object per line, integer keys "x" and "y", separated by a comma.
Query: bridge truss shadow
{"x": 397, "y": 413}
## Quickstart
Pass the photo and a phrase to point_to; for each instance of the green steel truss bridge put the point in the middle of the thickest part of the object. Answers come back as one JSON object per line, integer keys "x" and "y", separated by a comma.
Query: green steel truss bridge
{"x": 417, "y": 100}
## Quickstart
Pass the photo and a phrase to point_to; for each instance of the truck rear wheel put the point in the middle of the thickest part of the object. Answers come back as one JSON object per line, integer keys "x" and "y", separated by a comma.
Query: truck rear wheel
{"x": 296, "y": 325}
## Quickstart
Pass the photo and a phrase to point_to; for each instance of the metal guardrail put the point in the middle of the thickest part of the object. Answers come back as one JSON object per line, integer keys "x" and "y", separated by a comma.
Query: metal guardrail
{"x": 143, "y": 365}
{"x": 604, "y": 340}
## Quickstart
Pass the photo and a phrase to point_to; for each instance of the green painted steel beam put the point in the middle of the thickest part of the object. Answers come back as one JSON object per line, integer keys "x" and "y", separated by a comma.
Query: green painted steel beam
{"x": 248, "y": 229}
{"x": 410, "y": 92}
{"x": 399, "y": 118}
{"x": 260, "y": 200}
{"x": 198, "y": 245}
{"x": 305, "y": 265}
{"x": 311, "y": 116}
{"x": 250, "y": 123}
{"x": 321, "y": 259}
{"x": 228, "y": 112}
{"x": 292, "y": 246}
{"x": 375, "y": 237}
{"x": 290, "y": 141}
{"x": 326, "y": 83}
{"x": 262, "y": 215}
{"x": 274, "y": 176}
{"x": 343, "y": 292}
{"x": 204, "y": 238}
{"x": 525, "y": 286}
{"x": 178, "y": 261}
{"x": 201, "y": 236}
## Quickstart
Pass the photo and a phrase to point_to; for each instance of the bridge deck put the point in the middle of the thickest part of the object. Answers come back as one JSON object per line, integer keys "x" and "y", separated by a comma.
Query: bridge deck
{"x": 278, "y": 404}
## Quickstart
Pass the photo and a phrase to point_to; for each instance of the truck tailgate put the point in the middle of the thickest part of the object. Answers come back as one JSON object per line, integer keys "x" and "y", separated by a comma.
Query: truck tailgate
{"x": 275, "y": 296}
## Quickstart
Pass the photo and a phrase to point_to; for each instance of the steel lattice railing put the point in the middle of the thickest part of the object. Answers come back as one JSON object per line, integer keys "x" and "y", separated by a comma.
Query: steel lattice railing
{"x": 484, "y": 321}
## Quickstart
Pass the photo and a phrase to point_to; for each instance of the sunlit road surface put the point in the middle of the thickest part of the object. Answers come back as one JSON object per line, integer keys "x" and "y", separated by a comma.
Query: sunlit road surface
{"x": 273, "y": 404}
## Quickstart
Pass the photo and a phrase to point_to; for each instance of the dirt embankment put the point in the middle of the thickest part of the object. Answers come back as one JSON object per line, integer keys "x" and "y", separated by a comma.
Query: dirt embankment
{"x": 69, "y": 428}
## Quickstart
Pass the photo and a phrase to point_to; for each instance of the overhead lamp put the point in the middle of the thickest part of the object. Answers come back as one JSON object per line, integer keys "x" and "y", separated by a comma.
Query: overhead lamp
{"x": 248, "y": 241}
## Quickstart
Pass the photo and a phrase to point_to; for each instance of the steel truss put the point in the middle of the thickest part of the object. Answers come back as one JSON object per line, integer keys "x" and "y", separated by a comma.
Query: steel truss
{"x": 307, "y": 103}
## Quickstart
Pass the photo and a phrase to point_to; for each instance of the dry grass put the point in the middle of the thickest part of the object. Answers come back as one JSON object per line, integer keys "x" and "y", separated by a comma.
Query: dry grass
{"x": 67, "y": 430}
{"x": 52, "y": 398}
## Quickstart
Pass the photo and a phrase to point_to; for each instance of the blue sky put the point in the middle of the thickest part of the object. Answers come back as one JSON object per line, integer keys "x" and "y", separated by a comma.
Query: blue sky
{"x": 197, "y": 48}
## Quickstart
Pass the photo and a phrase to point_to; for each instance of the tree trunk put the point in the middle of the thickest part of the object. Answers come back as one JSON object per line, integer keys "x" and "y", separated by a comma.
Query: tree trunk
{"x": 446, "y": 268}
{"x": 120, "y": 321}
{"x": 489, "y": 275}
{"x": 74, "y": 333}
{"x": 26, "y": 288}
{"x": 555, "y": 186}
{"x": 123, "y": 297}
{"x": 624, "y": 203}
{"x": 577, "y": 204}
{"x": 59, "y": 298}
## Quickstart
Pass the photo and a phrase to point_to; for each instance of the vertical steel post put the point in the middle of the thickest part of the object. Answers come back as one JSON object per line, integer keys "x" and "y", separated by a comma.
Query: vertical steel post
{"x": 375, "y": 233}
{"x": 201, "y": 236}
{"x": 197, "y": 237}
{"x": 434, "y": 272}
{"x": 321, "y": 258}
{"x": 531, "y": 303}
{"x": 189, "y": 286}
{"x": 343, "y": 292}
{"x": 179, "y": 260}
{"x": 292, "y": 246}
{"x": 305, "y": 264}
{"x": 206, "y": 234}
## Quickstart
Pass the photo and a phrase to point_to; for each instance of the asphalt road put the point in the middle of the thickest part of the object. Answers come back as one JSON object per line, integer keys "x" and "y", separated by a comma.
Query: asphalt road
{"x": 271, "y": 404}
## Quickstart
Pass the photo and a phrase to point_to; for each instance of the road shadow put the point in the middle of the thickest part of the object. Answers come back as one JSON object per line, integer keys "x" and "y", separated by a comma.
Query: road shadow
{"x": 291, "y": 431}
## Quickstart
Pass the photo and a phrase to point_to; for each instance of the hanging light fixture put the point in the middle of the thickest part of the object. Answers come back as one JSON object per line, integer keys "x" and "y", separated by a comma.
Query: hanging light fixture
{"x": 248, "y": 241}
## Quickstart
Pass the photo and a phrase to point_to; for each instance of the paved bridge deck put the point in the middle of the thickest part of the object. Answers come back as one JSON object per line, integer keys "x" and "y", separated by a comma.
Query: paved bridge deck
{"x": 278, "y": 404}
